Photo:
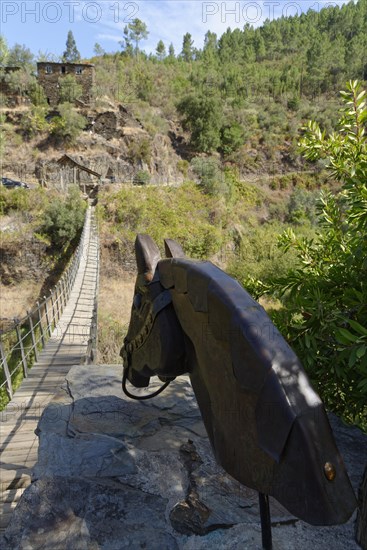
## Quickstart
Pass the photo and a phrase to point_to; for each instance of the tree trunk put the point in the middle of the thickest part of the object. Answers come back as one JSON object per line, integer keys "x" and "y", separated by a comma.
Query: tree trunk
{"x": 361, "y": 526}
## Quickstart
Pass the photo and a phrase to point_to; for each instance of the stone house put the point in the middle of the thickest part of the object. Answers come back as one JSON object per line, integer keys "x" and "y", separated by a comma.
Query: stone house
{"x": 49, "y": 75}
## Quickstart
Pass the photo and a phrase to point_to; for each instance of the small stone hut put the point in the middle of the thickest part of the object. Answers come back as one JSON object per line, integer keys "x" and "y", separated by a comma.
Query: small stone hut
{"x": 49, "y": 75}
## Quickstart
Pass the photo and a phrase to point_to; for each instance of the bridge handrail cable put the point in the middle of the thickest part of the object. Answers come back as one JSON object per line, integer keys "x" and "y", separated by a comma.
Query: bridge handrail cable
{"x": 20, "y": 344}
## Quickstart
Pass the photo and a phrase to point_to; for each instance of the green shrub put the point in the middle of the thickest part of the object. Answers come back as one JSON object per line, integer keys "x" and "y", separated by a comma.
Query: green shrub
{"x": 70, "y": 89}
{"x": 209, "y": 172}
{"x": 142, "y": 177}
{"x": 34, "y": 121}
{"x": 231, "y": 138}
{"x": 325, "y": 296}
{"x": 30, "y": 203}
{"x": 37, "y": 95}
{"x": 302, "y": 207}
{"x": 182, "y": 213}
{"x": 257, "y": 256}
{"x": 202, "y": 116}
{"x": 183, "y": 167}
{"x": 69, "y": 124}
{"x": 63, "y": 219}
{"x": 139, "y": 150}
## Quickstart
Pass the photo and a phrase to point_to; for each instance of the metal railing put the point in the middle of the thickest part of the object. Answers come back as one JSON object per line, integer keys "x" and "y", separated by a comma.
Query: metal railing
{"x": 20, "y": 345}
{"x": 91, "y": 353}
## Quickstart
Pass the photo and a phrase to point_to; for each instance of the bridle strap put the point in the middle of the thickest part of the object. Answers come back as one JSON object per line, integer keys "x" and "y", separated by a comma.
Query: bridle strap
{"x": 158, "y": 304}
{"x": 140, "y": 397}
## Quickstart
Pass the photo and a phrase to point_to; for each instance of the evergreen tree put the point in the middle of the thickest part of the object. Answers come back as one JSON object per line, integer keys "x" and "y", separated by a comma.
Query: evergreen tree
{"x": 137, "y": 31}
{"x": 187, "y": 47}
{"x": 171, "y": 51}
{"x": 98, "y": 50}
{"x": 4, "y": 51}
{"x": 71, "y": 54}
{"x": 202, "y": 115}
{"x": 161, "y": 50}
{"x": 20, "y": 56}
{"x": 210, "y": 42}
{"x": 126, "y": 42}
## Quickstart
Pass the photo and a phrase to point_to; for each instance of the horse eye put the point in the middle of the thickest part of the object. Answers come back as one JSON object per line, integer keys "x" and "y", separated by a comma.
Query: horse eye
{"x": 137, "y": 301}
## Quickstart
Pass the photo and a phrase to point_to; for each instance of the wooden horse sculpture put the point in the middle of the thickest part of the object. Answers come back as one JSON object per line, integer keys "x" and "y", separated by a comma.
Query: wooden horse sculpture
{"x": 267, "y": 426}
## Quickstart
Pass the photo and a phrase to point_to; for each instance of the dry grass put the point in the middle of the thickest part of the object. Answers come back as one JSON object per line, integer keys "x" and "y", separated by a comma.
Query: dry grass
{"x": 15, "y": 300}
{"x": 114, "y": 305}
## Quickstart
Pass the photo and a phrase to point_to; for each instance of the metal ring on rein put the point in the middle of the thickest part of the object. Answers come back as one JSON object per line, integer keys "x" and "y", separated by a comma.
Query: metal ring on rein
{"x": 142, "y": 397}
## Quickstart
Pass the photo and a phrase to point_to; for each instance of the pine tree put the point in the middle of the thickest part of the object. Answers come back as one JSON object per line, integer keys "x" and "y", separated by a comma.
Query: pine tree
{"x": 161, "y": 50}
{"x": 98, "y": 50}
{"x": 171, "y": 51}
{"x": 4, "y": 51}
{"x": 126, "y": 42}
{"x": 71, "y": 54}
{"x": 187, "y": 47}
{"x": 138, "y": 31}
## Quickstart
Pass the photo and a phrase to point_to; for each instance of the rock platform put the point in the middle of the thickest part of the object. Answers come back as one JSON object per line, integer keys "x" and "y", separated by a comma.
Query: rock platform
{"x": 113, "y": 473}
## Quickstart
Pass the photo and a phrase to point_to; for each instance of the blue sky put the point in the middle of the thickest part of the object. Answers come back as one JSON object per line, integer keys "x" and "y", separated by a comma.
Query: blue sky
{"x": 43, "y": 25}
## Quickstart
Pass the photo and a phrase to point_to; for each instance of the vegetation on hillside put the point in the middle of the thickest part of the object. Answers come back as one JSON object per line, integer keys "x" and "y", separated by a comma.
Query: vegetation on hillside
{"x": 244, "y": 94}
{"x": 54, "y": 218}
{"x": 234, "y": 112}
{"x": 325, "y": 315}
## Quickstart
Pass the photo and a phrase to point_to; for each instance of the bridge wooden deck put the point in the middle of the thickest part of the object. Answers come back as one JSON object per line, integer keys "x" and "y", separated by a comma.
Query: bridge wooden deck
{"x": 66, "y": 347}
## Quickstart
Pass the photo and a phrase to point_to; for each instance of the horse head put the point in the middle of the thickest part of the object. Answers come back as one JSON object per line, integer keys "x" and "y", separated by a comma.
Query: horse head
{"x": 267, "y": 426}
{"x": 154, "y": 344}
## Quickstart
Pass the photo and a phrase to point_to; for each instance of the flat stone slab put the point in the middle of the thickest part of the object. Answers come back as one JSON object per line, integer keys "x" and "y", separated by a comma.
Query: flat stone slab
{"x": 114, "y": 473}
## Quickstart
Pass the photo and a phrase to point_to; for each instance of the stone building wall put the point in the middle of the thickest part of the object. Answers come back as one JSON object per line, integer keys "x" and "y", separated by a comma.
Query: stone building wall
{"x": 49, "y": 75}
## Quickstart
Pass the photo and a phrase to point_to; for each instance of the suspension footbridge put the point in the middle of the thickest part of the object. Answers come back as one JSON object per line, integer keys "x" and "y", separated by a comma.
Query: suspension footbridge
{"x": 59, "y": 332}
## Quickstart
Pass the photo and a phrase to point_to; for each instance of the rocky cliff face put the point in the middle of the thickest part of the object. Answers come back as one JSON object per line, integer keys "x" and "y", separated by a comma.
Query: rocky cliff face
{"x": 116, "y": 145}
{"x": 26, "y": 262}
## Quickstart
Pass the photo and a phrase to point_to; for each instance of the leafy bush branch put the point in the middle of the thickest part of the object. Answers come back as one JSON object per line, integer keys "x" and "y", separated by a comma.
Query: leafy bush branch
{"x": 325, "y": 297}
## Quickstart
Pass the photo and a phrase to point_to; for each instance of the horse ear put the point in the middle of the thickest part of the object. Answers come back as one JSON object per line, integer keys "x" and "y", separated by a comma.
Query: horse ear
{"x": 147, "y": 256}
{"x": 173, "y": 249}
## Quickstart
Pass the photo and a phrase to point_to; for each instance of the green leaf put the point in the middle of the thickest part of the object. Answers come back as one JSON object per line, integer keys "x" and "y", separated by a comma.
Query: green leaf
{"x": 307, "y": 341}
{"x": 361, "y": 351}
{"x": 341, "y": 339}
{"x": 347, "y": 335}
{"x": 357, "y": 327}
{"x": 352, "y": 358}
{"x": 362, "y": 384}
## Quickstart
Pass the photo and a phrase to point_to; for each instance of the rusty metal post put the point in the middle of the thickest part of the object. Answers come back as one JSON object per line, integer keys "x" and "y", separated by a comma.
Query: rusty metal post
{"x": 63, "y": 297}
{"x": 47, "y": 318}
{"x": 24, "y": 359}
{"x": 57, "y": 294}
{"x": 34, "y": 343}
{"x": 53, "y": 320}
{"x": 40, "y": 323}
{"x": 9, "y": 387}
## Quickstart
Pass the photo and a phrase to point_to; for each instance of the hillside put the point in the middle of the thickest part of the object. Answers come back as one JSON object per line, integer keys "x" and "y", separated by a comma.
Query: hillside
{"x": 243, "y": 98}
{"x": 210, "y": 138}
